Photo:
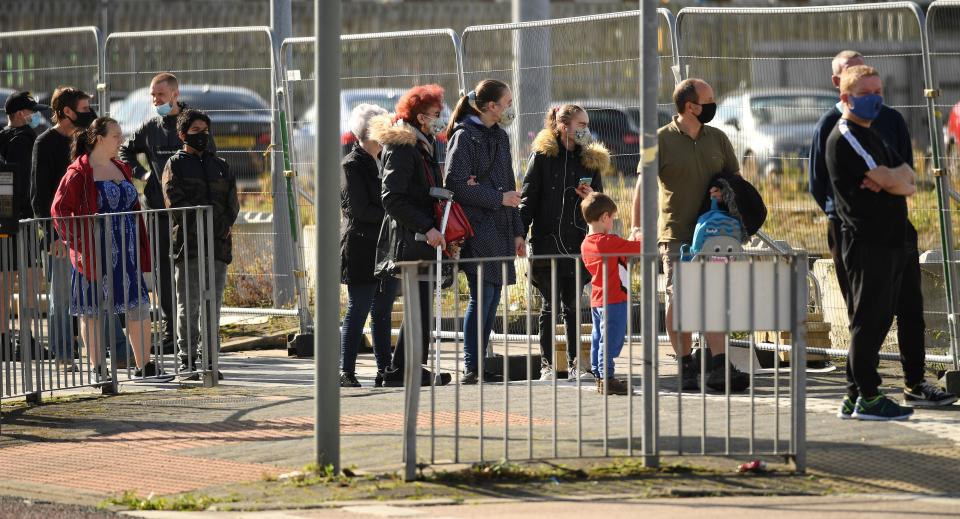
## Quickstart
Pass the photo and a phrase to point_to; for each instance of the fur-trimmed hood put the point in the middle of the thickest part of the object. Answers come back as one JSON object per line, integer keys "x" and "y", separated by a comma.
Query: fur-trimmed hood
{"x": 593, "y": 156}
{"x": 389, "y": 133}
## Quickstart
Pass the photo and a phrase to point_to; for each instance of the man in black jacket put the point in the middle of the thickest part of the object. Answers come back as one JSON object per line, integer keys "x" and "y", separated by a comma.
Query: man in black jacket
{"x": 158, "y": 140}
{"x": 16, "y": 148}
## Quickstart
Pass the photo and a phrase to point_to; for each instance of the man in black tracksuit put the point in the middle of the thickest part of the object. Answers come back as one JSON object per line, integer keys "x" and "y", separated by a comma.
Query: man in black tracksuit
{"x": 158, "y": 140}
{"x": 870, "y": 183}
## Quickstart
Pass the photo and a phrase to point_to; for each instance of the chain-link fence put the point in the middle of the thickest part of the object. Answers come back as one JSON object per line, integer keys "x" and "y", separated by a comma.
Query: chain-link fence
{"x": 228, "y": 73}
{"x": 25, "y": 66}
{"x": 943, "y": 41}
{"x": 771, "y": 72}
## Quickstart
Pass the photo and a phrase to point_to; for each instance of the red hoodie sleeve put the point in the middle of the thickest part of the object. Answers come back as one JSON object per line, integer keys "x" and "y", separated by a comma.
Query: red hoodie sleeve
{"x": 613, "y": 244}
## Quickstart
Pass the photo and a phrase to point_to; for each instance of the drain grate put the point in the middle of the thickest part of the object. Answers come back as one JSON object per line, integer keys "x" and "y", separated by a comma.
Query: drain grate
{"x": 202, "y": 402}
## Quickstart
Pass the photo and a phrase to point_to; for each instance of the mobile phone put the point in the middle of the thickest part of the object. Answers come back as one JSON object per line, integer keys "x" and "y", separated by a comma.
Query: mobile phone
{"x": 586, "y": 180}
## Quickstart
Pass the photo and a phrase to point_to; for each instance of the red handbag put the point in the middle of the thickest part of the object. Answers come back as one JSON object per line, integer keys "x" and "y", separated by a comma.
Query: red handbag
{"x": 458, "y": 225}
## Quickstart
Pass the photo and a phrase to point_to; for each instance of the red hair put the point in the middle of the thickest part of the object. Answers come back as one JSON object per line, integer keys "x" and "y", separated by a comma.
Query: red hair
{"x": 418, "y": 100}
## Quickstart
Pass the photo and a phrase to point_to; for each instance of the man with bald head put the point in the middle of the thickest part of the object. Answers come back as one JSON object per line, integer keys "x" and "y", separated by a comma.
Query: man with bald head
{"x": 892, "y": 129}
{"x": 691, "y": 154}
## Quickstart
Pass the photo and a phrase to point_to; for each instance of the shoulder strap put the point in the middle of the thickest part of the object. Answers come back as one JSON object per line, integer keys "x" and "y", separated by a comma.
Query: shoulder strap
{"x": 857, "y": 147}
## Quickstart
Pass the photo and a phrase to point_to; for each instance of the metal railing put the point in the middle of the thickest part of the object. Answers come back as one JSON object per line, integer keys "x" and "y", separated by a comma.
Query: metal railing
{"x": 88, "y": 290}
{"x": 719, "y": 300}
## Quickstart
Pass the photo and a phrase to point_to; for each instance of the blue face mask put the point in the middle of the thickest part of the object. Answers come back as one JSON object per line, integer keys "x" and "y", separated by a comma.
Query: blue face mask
{"x": 866, "y": 107}
{"x": 164, "y": 109}
{"x": 35, "y": 120}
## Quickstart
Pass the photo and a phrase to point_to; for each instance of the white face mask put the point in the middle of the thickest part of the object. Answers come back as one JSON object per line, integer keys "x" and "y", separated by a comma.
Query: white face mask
{"x": 507, "y": 117}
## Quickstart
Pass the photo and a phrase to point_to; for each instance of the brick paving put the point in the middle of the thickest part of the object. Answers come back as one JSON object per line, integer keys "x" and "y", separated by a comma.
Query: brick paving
{"x": 167, "y": 439}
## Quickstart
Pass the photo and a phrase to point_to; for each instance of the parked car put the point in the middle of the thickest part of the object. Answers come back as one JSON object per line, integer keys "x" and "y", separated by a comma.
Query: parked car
{"x": 304, "y": 132}
{"x": 241, "y": 124}
{"x": 770, "y": 129}
{"x": 951, "y": 140}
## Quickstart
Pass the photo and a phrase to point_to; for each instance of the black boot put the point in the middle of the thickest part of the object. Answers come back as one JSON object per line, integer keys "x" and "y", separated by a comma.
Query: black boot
{"x": 689, "y": 371}
{"x": 739, "y": 381}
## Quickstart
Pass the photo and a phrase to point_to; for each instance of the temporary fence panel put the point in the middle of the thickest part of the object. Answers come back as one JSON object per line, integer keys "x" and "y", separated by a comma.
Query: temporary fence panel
{"x": 517, "y": 417}
{"x": 64, "y": 271}
{"x": 229, "y": 74}
{"x": 593, "y": 61}
{"x": 375, "y": 68}
{"x": 26, "y": 63}
{"x": 943, "y": 39}
{"x": 770, "y": 69}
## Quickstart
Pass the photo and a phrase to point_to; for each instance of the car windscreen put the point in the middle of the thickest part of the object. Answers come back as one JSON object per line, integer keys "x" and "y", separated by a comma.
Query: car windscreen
{"x": 790, "y": 109}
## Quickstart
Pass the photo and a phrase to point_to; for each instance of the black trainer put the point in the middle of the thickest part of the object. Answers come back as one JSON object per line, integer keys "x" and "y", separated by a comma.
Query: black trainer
{"x": 349, "y": 380}
{"x": 716, "y": 381}
{"x": 472, "y": 377}
{"x": 689, "y": 371}
{"x": 926, "y": 394}
{"x": 880, "y": 408}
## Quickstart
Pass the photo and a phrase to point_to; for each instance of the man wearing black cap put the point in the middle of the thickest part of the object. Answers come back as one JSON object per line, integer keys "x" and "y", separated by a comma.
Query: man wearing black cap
{"x": 16, "y": 149}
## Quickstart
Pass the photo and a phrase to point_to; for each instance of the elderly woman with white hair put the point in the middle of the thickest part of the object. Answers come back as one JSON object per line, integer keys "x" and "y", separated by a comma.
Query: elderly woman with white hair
{"x": 362, "y": 215}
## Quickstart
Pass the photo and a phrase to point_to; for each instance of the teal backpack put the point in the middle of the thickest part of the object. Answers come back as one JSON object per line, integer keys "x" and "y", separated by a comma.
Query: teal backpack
{"x": 716, "y": 233}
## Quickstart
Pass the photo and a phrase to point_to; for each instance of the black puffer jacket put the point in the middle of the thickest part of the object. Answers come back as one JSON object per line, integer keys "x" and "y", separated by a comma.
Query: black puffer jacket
{"x": 549, "y": 201}
{"x": 405, "y": 195}
{"x": 194, "y": 180}
{"x": 362, "y": 216}
{"x": 158, "y": 140}
{"x": 484, "y": 153}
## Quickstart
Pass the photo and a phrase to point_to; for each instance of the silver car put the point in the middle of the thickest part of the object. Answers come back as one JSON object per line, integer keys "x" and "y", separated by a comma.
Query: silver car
{"x": 771, "y": 129}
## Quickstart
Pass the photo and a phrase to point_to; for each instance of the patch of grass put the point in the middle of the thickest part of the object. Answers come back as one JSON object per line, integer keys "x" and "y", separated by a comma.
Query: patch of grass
{"x": 181, "y": 503}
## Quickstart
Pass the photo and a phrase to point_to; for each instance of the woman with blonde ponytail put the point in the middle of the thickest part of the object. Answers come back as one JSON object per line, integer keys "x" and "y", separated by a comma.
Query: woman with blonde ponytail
{"x": 565, "y": 167}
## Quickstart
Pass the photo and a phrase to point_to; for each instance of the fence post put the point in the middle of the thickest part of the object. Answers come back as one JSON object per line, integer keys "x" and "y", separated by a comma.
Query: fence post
{"x": 284, "y": 267}
{"x": 326, "y": 89}
{"x": 798, "y": 360}
{"x": 645, "y": 198}
{"x": 413, "y": 342}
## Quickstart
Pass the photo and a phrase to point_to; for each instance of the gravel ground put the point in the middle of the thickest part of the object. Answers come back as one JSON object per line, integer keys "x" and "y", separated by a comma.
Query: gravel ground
{"x": 13, "y": 508}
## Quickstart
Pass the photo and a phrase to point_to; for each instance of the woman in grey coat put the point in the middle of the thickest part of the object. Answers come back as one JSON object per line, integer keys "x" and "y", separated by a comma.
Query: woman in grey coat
{"x": 480, "y": 174}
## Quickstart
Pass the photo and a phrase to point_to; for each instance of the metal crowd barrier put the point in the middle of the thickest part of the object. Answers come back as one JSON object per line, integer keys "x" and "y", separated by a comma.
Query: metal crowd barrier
{"x": 86, "y": 311}
{"x": 723, "y": 301}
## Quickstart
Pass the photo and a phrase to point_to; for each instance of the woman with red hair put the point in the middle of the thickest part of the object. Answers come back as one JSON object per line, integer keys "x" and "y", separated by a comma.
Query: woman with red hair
{"x": 410, "y": 169}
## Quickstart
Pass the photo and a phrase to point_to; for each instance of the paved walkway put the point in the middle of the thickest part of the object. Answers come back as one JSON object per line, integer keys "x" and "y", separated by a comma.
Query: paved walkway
{"x": 259, "y": 423}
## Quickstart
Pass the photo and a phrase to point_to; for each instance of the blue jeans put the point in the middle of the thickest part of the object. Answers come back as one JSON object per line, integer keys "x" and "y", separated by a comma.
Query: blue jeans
{"x": 614, "y": 335}
{"x": 375, "y": 300}
{"x": 59, "y": 320}
{"x": 488, "y": 310}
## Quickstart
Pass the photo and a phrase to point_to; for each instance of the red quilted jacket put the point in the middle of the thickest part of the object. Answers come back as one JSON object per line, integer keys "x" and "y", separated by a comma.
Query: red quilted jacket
{"x": 77, "y": 196}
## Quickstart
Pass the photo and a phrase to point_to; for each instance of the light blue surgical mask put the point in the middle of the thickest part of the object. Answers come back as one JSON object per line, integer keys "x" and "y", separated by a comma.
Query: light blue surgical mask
{"x": 35, "y": 120}
{"x": 164, "y": 109}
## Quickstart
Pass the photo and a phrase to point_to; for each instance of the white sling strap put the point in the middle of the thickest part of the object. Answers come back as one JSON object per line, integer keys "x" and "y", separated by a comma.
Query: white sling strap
{"x": 857, "y": 147}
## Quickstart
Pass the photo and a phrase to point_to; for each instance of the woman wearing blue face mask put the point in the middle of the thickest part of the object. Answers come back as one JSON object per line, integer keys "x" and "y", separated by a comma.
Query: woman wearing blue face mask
{"x": 565, "y": 167}
{"x": 480, "y": 174}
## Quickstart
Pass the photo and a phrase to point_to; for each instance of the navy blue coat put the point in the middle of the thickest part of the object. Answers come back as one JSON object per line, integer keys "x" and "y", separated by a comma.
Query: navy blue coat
{"x": 484, "y": 153}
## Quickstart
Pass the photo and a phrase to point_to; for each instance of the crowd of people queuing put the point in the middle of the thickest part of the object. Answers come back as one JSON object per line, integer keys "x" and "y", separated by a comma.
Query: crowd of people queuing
{"x": 387, "y": 204}
{"x": 860, "y": 175}
{"x": 81, "y": 168}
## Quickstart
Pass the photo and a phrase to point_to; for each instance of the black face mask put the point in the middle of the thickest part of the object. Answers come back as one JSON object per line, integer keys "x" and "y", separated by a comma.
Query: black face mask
{"x": 198, "y": 141}
{"x": 707, "y": 112}
{"x": 84, "y": 119}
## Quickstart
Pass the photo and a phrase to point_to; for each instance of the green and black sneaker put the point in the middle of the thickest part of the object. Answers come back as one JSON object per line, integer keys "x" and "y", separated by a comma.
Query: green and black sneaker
{"x": 846, "y": 408}
{"x": 880, "y": 408}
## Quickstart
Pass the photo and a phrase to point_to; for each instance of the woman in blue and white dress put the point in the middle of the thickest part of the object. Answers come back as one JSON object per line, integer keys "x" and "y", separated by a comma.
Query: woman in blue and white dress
{"x": 96, "y": 183}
